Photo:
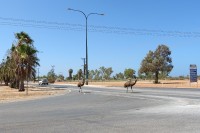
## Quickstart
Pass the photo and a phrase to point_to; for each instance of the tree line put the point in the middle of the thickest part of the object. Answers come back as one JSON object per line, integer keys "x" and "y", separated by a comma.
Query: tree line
{"x": 157, "y": 64}
{"x": 103, "y": 73}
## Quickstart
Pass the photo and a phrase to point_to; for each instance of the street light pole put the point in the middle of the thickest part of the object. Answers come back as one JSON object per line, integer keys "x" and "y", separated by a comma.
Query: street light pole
{"x": 86, "y": 18}
{"x": 83, "y": 66}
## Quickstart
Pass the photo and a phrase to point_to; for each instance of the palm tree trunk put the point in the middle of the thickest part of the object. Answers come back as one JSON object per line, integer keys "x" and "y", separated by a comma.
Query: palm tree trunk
{"x": 21, "y": 85}
{"x": 6, "y": 81}
{"x": 70, "y": 76}
{"x": 17, "y": 84}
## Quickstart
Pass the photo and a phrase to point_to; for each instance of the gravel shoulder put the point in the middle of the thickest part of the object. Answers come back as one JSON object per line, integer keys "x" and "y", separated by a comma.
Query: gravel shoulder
{"x": 8, "y": 94}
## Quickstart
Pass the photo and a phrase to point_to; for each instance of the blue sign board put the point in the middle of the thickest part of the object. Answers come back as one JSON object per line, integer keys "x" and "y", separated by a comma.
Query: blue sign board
{"x": 193, "y": 73}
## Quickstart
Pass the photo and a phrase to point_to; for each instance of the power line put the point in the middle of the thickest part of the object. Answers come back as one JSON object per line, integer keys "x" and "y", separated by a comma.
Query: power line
{"x": 93, "y": 28}
{"x": 41, "y": 26}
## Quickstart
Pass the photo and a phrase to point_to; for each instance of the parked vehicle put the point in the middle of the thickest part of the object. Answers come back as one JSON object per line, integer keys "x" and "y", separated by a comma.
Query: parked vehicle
{"x": 43, "y": 82}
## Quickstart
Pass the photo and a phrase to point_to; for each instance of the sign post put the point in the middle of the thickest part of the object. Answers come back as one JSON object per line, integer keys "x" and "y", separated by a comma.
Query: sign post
{"x": 193, "y": 74}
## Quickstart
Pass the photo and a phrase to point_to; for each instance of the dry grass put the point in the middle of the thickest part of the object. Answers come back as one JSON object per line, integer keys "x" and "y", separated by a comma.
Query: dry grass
{"x": 147, "y": 84}
{"x": 8, "y": 95}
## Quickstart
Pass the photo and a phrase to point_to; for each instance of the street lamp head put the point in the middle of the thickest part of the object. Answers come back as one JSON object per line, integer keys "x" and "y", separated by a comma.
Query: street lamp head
{"x": 69, "y": 9}
{"x": 102, "y": 14}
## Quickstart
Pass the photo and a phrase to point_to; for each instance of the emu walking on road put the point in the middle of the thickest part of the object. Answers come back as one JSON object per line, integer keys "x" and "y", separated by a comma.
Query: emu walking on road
{"x": 130, "y": 84}
{"x": 81, "y": 83}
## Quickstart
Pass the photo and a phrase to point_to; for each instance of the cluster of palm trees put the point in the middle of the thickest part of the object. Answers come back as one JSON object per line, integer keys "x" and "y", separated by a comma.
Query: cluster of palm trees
{"x": 20, "y": 62}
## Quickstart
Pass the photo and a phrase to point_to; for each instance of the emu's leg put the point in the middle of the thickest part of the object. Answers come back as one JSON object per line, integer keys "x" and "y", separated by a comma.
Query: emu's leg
{"x": 127, "y": 90}
{"x": 79, "y": 89}
{"x": 132, "y": 88}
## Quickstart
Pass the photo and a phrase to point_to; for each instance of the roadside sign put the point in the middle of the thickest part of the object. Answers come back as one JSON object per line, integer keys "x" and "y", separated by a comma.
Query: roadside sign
{"x": 193, "y": 73}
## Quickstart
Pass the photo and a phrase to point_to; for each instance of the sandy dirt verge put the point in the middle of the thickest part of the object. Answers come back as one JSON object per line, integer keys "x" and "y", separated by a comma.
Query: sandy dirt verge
{"x": 11, "y": 95}
{"x": 145, "y": 84}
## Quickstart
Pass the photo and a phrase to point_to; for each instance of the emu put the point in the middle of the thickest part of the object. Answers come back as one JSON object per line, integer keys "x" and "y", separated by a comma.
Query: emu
{"x": 130, "y": 84}
{"x": 81, "y": 83}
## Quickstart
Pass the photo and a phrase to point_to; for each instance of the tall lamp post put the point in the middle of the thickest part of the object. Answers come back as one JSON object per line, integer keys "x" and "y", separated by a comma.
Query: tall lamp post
{"x": 86, "y": 18}
{"x": 83, "y": 66}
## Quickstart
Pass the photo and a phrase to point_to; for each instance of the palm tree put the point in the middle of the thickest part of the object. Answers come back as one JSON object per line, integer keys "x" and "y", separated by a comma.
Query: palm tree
{"x": 80, "y": 72}
{"x": 24, "y": 55}
{"x": 23, "y": 38}
{"x": 70, "y": 73}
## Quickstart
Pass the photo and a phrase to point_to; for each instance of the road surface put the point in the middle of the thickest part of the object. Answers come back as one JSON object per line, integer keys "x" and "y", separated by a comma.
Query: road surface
{"x": 105, "y": 110}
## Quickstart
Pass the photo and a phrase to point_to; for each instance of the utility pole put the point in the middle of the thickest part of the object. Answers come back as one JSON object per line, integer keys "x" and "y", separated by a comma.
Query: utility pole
{"x": 84, "y": 66}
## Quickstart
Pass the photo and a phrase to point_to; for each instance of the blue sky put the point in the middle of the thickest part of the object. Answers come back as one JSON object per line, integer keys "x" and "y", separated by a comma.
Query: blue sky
{"x": 64, "y": 48}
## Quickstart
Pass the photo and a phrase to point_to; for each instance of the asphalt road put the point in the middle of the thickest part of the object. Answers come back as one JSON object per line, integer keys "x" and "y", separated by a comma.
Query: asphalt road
{"x": 105, "y": 110}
